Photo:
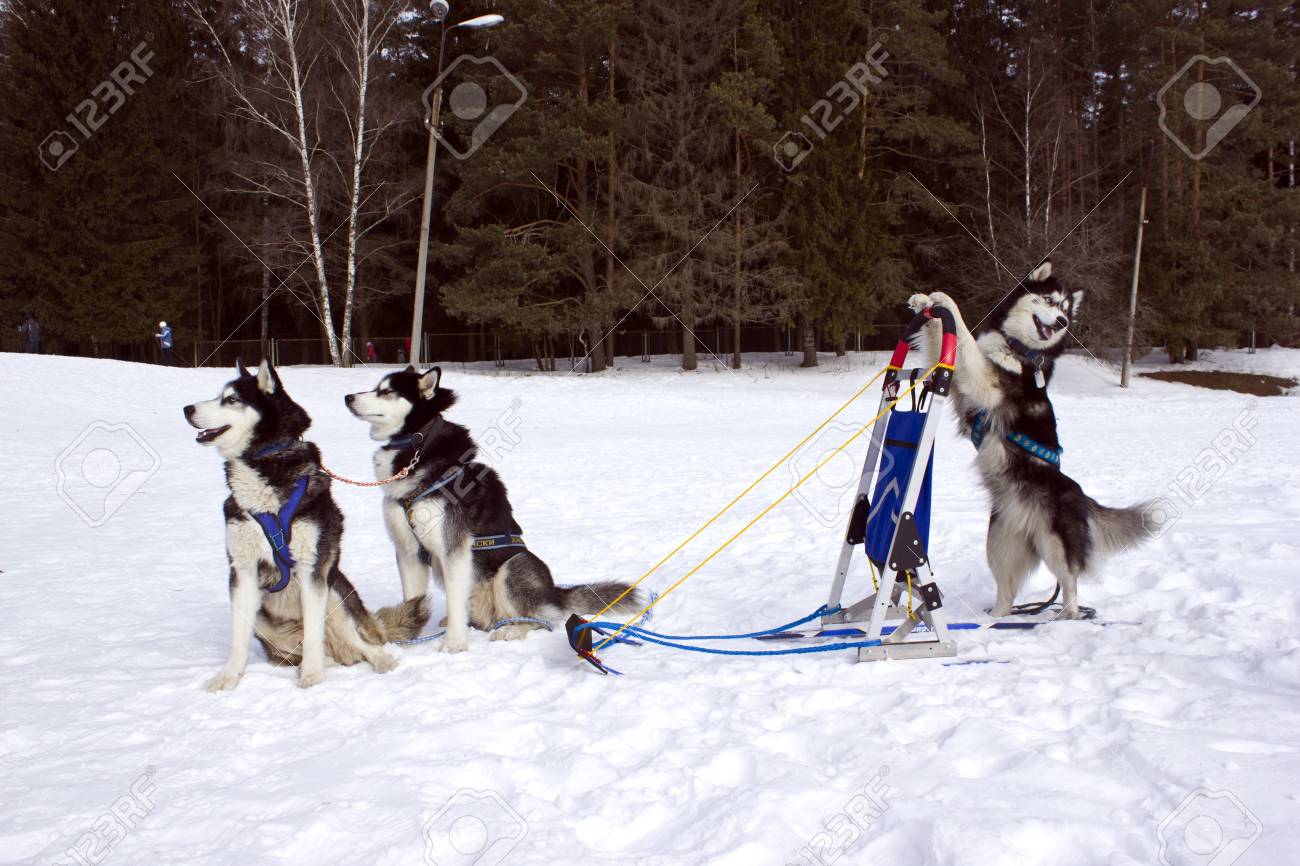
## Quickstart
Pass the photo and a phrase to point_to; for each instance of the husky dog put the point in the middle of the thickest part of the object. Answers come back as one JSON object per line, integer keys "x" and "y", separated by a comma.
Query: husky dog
{"x": 1038, "y": 513}
{"x": 451, "y": 513}
{"x": 282, "y": 539}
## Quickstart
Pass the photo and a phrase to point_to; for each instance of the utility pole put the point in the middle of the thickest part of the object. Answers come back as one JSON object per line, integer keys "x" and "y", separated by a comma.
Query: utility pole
{"x": 1133, "y": 291}
{"x": 440, "y": 10}
{"x": 426, "y": 214}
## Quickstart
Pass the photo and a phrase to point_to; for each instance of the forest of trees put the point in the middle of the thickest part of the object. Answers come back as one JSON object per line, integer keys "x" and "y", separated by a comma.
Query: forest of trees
{"x": 250, "y": 169}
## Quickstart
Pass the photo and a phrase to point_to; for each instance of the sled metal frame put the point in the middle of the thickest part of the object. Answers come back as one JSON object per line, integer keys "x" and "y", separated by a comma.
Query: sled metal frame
{"x": 906, "y": 551}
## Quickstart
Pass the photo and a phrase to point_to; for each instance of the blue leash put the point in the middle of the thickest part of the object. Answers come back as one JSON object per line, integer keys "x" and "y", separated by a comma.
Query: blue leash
{"x": 680, "y": 642}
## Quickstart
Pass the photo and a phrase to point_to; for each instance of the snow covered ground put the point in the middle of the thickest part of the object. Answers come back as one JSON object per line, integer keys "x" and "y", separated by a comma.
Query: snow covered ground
{"x": 1174, "y": 731}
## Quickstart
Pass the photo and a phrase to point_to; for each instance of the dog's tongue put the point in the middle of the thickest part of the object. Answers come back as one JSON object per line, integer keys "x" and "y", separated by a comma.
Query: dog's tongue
{"x": 206, "y": 436}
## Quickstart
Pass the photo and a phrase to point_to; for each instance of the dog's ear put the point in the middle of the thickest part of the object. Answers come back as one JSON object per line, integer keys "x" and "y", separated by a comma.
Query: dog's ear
{"x": 409, "y": 369}
{"x": 240, "y": 371}
{"x": 1076, "y": 299}
{"x": 267, "y": 381}
{"x": 1042, "y": 272}
{"x": 429, "y": 380}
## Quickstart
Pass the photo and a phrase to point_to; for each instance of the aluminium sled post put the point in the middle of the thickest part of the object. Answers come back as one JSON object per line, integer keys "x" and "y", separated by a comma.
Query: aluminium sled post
{"x": 893, "y": 529}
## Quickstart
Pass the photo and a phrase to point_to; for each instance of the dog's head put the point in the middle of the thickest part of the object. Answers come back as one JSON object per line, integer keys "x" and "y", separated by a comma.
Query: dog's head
{"x": 402, "y": 403}
{"x": 1039, "y": 311}
{"x": 251, "y": 411}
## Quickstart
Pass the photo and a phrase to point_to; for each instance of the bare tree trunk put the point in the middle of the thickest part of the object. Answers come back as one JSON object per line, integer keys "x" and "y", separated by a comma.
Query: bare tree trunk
{"x": 808, "y": 340}
{"x": 289, "y": 23}
{"x": 737, "y": 276}
{"x": 690, "y": 361}
{"x": 611, "y": 209}
{"x": 360, "y": 36}
{"x": 988, "y": 191}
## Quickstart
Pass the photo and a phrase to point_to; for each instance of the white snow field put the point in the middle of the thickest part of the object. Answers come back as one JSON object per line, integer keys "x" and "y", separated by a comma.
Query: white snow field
{"x": 1170, "y": 734}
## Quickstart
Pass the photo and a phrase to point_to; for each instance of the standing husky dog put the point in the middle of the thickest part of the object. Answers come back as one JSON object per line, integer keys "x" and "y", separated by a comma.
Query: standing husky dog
{"x": 1000, "y": 386}
{"x": 282, "y": 539}
{"x": 451, "y": 513}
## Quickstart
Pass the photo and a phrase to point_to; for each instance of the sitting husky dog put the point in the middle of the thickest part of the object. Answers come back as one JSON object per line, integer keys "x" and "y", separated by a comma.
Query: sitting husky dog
{"x": 452, "y": 513}
{"x": 1000, "y": 390}
{"x": 282, "y": 539}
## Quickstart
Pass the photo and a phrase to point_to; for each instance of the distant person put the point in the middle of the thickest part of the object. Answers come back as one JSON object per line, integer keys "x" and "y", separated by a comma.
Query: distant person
{"x": 401, "y": 355}
{"x": 372, "y": 356}
{"x": 164, "y": 338}
{"x": 31, "y": 329}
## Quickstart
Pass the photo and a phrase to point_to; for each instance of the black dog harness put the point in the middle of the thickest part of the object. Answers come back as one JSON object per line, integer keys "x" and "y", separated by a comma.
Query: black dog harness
{"x": 479, "y": 543}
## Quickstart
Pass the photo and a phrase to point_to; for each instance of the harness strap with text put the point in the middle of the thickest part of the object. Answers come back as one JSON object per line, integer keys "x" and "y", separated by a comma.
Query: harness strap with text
{"x": 1031, "y": 446}
{"x": 278, "y": 531}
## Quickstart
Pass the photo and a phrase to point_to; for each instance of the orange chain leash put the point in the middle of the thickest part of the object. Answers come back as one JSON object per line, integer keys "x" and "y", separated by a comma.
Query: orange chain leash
{"x": 398, "y": 477}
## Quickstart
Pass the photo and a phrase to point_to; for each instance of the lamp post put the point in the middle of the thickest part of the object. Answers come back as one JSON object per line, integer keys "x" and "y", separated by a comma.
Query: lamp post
{"x": 440, "y": 8}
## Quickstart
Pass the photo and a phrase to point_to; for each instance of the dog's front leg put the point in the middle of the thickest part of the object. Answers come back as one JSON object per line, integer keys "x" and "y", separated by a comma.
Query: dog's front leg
{"x": 458, "y": 580}
{"x": 245, "y": 594}
{"x": 414, "y": 573}
{"x": 310, "y": 573}
{"x": 974, "y": 379}
{"x": 314, "y": 593}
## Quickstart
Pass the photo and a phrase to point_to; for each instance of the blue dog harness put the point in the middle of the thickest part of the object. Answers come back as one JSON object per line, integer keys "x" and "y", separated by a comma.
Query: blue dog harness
{"x": 1031, "y": 446}
{"x": 278, "y": 530}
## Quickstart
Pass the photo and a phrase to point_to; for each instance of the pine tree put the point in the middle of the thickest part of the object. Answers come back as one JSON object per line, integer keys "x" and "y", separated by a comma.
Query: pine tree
{"x": 102, "y": 244}
{"x": 533, "y": 241}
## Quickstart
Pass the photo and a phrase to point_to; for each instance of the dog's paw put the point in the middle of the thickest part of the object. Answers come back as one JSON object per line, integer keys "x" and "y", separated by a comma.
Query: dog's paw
{"x": 383, "y": 663}
{"x": 918, "y": 302}
{"x": 307, "y": 679}
{"x": 442, "y": 623}
{"x": 454, "y": 645}
{"x": 512, "y": 632}
{"x": 939, "y": 299}
{"x": 1000, "y": 610}
{"x": 223, "y": 681}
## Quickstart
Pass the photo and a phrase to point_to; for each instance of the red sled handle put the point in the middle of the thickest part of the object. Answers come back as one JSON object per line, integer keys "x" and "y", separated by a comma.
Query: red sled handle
{"x": 948, "y": 348}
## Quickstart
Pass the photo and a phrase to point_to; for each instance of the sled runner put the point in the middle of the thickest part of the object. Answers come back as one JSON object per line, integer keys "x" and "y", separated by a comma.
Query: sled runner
{"x": 892, "y": 525}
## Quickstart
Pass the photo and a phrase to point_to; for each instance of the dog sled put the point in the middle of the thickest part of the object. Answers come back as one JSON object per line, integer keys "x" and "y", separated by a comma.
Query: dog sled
{"x": 901, "y": 617}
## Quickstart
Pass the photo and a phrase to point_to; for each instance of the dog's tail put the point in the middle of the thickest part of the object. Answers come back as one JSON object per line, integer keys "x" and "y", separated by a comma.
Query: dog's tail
{"x": 590, "y": 597}
{"x": 406, "y": 620}
{"x": 1117, "y": 529}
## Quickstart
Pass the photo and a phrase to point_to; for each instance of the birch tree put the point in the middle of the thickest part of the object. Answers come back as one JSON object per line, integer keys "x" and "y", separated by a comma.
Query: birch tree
{"x": 303, "y": 73}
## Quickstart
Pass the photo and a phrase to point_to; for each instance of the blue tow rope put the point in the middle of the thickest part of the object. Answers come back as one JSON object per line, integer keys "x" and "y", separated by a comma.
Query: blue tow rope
{"x": 681, "y": 642}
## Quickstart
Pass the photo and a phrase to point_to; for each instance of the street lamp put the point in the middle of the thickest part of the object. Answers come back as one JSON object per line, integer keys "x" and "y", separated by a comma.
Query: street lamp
{"x": 440, "y": 9}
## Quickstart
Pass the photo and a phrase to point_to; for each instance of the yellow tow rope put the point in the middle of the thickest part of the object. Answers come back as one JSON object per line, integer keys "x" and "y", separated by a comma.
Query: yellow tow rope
{"x": 883, "y": 412}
